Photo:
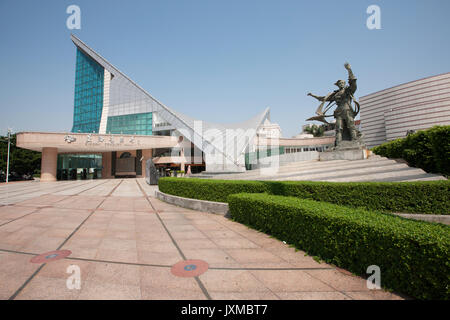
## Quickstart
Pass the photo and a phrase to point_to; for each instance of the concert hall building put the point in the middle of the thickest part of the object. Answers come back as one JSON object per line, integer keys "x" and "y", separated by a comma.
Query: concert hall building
{"x": 118, "y": 126}
{"x": 417, "y": 105}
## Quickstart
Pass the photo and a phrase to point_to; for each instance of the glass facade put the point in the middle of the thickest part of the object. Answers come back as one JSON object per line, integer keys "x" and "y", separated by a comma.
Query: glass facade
{"x": 79, "y": 166}
{"x": 253, "y": 157}
{"x": 88, "y": 94}
{"x": 137, "y": 123}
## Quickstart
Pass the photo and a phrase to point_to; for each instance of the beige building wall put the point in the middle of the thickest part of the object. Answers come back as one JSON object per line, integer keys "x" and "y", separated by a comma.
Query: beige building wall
{"x": 105, "y": 109}
{"x": 388, "y": 114}
{"x": 106, "y": 165}
{"x": 146, "y": 154}
{"x": 49, "y": 164}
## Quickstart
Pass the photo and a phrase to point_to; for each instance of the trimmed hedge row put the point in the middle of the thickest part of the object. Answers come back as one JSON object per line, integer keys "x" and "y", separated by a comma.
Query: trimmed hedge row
{"x": 432, "y": 197}
{"x": 208, "y": 189}
{"x": 413, "y": 256}
{"x": 426, "y": 149}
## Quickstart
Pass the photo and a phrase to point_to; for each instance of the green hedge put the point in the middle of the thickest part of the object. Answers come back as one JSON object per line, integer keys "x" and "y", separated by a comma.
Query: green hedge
{"x": 208, "y": 189}
{"x": 426, "y": 149}
{"x": 413, "y": 256}
{"x": 432, "y": 197}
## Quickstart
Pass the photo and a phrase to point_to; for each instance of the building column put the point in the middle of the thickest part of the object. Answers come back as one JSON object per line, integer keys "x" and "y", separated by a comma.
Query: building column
{"x": 182, "y": 166}
{"x": 146, "y": 154}
{"x": 106, "y": 165}
{"x": 48, "y": 164}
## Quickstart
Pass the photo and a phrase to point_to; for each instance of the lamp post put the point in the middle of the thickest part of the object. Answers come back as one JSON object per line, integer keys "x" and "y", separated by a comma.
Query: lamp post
{"x": 7, "y": 161}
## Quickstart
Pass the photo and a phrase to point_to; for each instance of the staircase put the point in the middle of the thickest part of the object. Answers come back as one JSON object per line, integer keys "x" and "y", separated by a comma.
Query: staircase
{"x": 375, "y": 168}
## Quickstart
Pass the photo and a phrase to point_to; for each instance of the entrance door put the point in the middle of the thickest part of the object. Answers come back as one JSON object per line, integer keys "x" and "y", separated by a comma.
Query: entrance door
{"x": 126, "y": 165}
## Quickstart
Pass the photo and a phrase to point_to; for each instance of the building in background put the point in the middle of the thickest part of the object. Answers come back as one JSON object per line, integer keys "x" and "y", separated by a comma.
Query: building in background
{"x": 108, "y": 102}
{"x": 118, "y": 126}
{"x": 389, "y": 114}
{"x": 269, "y": 130}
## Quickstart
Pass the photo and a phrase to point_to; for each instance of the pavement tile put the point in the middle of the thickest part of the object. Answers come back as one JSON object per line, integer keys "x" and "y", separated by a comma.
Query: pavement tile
{"x": 43, "y": 288}
{"x": 42, "y": 244}
{"x": 90, "y": 233}
{"x": 121, "y": 234}
{"x": 231, "y": 281}
{"x": 190, "y": 244}
{"x": 339, "y": 280}
{"x": 94, "y": 290}
{"x": 374, "y": 295}
{"x": 158, "y": 258}
{"x": 157, "y": 247}
{"x": 42, "y": 201}
{"x": 81, "y": 252}
{"x": 239, "y": 243}
{"x": 58, "y": 269}
{"x": 214, "y": 257}
{"x": 290, "y": 281}
{"x": 159, "y": 293}
{"x": 297, "y": 259}
{"x": 254, "y": 255}
{"x": 221, "y": 295}
{"x": 159, "y": 277}
{"x": 117, "y": 244}
{"x": 221, "y": 234}
{"x": 334, "y": 295}
{"x": 130, "y": 256}
{"x": 159, "y": 235}
{"x": 77, "y": 241}
{"x": 182, "y": 235}
{"x": 125, "y": 231}
{"x": 9, "y": 213}
{"x": 80, "y": 202}
{"x": 10, "y": 283}
{"x": 120, "y": 274}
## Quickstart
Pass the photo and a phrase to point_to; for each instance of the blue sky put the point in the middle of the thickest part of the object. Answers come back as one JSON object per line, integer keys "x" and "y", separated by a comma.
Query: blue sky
{"x": 221, "y": 61}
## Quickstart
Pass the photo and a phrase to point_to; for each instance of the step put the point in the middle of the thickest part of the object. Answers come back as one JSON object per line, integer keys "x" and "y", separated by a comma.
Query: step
{"x": 390, "y": 176}
{"x": 360, "y": 167}
{"x": 318, "y": 167}
{"x": 347, "y": 174}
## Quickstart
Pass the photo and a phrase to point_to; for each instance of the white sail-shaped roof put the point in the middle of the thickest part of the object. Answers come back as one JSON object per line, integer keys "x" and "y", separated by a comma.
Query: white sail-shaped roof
{"x": 127, "y": 97}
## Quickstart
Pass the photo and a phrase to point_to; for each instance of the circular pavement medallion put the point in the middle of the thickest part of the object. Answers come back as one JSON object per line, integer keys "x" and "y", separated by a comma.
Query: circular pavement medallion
{"x": 50, "y": 256}
{"x": 189, "y": 268}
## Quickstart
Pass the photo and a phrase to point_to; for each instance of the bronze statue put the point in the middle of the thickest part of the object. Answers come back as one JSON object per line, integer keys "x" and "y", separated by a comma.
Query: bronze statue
{"x": 344, "y": 113}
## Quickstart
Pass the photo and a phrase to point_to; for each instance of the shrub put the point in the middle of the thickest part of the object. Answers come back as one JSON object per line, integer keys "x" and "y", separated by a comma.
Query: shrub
{"x": 426, "y": 149}
{"x": 409, "y": 197}
{"x": 413, "y": 256}
{"x": 432, "y": 197}
{"x": 206, "y": 189}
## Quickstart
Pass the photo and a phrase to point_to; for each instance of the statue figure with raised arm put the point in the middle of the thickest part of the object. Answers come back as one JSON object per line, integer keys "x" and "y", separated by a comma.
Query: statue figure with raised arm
{"x": 344, "y": 113}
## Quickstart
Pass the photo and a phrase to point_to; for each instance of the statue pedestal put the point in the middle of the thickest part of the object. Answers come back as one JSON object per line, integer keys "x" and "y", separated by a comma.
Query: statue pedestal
{"x": 151, "y": 173}
{"x": 346, "y": 150}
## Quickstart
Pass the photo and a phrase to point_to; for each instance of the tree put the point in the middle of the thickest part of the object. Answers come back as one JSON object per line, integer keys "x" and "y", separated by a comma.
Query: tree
{"x": 315, "y": 130}
{"x": 21, "y": 161}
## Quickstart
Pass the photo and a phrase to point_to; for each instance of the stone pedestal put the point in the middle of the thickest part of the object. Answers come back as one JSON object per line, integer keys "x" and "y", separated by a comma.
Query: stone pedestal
{"x": 151, "y": 173}
{"x": 346, "y": 150}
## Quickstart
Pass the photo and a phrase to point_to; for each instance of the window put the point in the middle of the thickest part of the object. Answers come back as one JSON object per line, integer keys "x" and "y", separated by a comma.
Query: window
{"x": 88, "y": 98}
{"x": 138, "y": 123}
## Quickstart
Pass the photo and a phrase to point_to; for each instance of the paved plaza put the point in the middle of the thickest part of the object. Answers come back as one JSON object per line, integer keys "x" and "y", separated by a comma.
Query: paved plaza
{"x": 125, "y": 243}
